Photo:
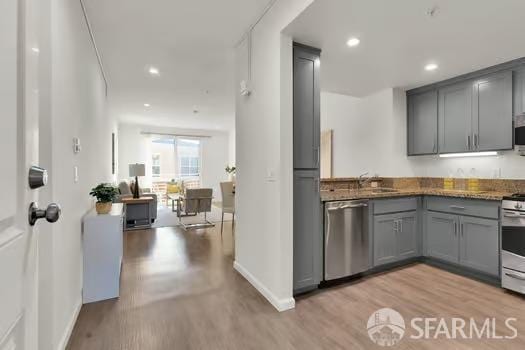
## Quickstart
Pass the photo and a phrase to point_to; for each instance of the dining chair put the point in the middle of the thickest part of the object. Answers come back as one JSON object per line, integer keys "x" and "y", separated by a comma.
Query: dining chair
{"x": 228, "y": 202}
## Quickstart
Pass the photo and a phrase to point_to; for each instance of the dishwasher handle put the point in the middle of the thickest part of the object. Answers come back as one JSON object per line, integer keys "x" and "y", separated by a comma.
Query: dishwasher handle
{"x": 349, "y": 206}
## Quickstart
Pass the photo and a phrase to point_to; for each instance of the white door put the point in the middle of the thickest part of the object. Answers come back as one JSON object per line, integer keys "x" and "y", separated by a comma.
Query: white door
{"x": 19, "y": 105}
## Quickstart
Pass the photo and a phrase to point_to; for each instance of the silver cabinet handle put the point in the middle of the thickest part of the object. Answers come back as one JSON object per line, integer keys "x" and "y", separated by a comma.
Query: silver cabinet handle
{"x": 455, "y": 228}
{"x": 400, "y": 225}
{"x": 456, "y": 207}
{"x": 476, "y": 141}
{"x": 512, "y": 275}
{"x": 396, "y": 229}
{"x": 462, "y": 231}
{"x": 510, "y": 215}
{"x": 317, "y": 156}
{"x": 468, "y": 142}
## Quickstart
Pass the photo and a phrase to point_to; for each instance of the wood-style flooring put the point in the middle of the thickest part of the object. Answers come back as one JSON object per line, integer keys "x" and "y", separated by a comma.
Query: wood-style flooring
{"x": 179, "y": 291}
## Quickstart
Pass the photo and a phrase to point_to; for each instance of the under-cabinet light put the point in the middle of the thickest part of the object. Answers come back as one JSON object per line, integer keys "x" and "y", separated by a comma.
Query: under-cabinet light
{"x": 472, "y": 154}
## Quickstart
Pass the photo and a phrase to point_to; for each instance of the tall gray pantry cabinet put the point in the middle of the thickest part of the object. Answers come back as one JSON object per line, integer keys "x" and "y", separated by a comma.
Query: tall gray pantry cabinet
{"x": 307, "y": 235}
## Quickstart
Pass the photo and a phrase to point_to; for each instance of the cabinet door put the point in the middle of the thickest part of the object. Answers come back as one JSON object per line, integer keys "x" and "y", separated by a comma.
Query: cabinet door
{"x": 455, "y": 115}
{"x": 306, "y": 104}
{"x": 442, "y": 236}
{"x": 422, "y": 123}
{"x": 407, "y": 239}
{"x": 385, "y": 245}
{"x": 492, "y": 113}
{"x": 479, "y": 244}
{"x": 307, "y": 240}
{"x": 519, "y": 91}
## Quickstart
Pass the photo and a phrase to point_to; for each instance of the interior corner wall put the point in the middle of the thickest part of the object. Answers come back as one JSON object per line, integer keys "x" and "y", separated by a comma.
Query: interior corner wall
{"x": 264, "y": 231}
{"x": 72, "y": 105}
{"x": 370, "y": 136}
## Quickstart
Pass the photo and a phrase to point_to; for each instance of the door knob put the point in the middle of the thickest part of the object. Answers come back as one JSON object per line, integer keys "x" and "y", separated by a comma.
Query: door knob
{"x": 51, "y": 213}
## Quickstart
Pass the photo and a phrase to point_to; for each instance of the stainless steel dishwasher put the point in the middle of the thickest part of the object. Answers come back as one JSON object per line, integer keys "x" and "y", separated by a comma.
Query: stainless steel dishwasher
{"x": 346, "y": 239}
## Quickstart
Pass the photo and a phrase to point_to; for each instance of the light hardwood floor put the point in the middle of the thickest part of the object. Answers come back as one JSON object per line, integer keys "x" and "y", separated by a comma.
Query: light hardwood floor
{"x": 179, "y": 291}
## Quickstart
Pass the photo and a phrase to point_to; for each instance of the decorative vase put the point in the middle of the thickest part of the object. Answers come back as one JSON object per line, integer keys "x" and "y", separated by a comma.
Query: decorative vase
{"x": 103, "y": 207}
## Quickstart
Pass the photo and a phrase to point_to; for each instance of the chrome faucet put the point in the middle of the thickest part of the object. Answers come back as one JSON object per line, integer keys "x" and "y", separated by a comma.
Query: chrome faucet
{"x": 362, "y": 180}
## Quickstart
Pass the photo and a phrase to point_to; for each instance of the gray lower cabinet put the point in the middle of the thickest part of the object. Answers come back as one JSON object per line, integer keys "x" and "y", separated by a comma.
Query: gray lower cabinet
{"x": 395, "y": 237}
{"x": 423, "y": 123}
{"x": 492, "y": 113}
{"x": 308, "y": 237}
{"x": 468, "y": 241}
{"x": 385, "y": 246}
{"x": 407, "y": 236}
{"x": 455, "y": 115}
{"x": 441, "y": 236}
{"x": 479, "y": 244}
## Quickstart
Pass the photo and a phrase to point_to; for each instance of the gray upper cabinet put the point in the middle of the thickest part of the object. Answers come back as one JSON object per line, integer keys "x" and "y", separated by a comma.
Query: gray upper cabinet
{"x": 306, "y": 104}
{"x": 455, "y": 116}
{"x": 479, "y": 244}
{"x": 474, "y": 112}
{"x": 442, "y": 236}
{"x": 492, "y": 113}
{"x": 519, "y": 91}
{"x": 385, "y": 245}
{"x": 423, "y": 123}
{"x": 308, "y": 238}
{"x": 407, "y": 237}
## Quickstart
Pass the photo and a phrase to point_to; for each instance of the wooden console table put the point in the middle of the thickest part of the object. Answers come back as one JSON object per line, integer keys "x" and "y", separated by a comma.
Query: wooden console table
{"x": 137, "y": 211}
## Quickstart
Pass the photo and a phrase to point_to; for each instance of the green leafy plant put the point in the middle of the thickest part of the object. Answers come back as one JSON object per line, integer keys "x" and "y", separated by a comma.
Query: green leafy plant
{"x": 230, "y": 170}
{"x": 104, "y": 193}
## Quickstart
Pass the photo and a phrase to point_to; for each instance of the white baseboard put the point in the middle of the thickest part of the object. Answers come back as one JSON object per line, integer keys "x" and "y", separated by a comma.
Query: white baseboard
{"x": 71, "y": 324}
{"x": 279, "y": 304}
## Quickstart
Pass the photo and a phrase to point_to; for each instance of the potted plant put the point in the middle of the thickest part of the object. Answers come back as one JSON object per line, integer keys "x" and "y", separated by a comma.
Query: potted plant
{"x": 230, "y": 170}
{"x": 104, "y": 193}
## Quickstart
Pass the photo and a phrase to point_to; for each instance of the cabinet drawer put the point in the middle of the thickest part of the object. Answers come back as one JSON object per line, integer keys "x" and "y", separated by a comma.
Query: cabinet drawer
{"x": 384, "y": 206}
{"x": 481, "y": 208}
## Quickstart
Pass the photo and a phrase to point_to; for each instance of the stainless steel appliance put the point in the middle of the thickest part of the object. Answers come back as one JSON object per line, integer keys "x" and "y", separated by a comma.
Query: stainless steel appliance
{"x": 513, "y": 243}
{"x": 346, "y": 239}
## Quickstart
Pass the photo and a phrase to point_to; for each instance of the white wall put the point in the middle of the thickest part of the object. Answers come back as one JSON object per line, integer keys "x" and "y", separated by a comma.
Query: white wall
{"x": 370, "y": 135}
{"x": 263, "y": 125}
{"x": 134, "y": 147}
{"x": 73, "y": 104}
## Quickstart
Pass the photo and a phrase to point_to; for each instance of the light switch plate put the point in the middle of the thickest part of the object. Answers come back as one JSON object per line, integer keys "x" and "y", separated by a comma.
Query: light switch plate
{"x": 75, "y": 173}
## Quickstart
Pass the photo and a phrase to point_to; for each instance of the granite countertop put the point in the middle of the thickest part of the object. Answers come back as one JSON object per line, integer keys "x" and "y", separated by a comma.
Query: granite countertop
{"x": 367, "y": 193}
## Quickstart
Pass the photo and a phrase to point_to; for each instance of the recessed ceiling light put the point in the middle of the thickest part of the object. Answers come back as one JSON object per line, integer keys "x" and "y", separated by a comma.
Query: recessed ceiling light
{"x": 35, "y": 49}
{"x": 353, "y": 42}
{"x": 431, "y": 66}
{"x": 153, "y": 70}
{"x": 147, "y": 105}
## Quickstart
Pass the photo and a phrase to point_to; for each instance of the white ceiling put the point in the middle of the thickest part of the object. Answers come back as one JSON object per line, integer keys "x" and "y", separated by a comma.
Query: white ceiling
{"x": 398, "y": 38}
{"x": 191, "y": 42}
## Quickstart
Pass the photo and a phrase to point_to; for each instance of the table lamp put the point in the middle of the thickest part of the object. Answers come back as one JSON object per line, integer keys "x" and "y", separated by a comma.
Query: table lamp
{"x": 137, "y": 170}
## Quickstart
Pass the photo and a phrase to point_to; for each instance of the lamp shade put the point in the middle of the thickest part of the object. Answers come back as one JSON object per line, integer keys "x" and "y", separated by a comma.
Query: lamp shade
{"x": 137, "y": 170}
